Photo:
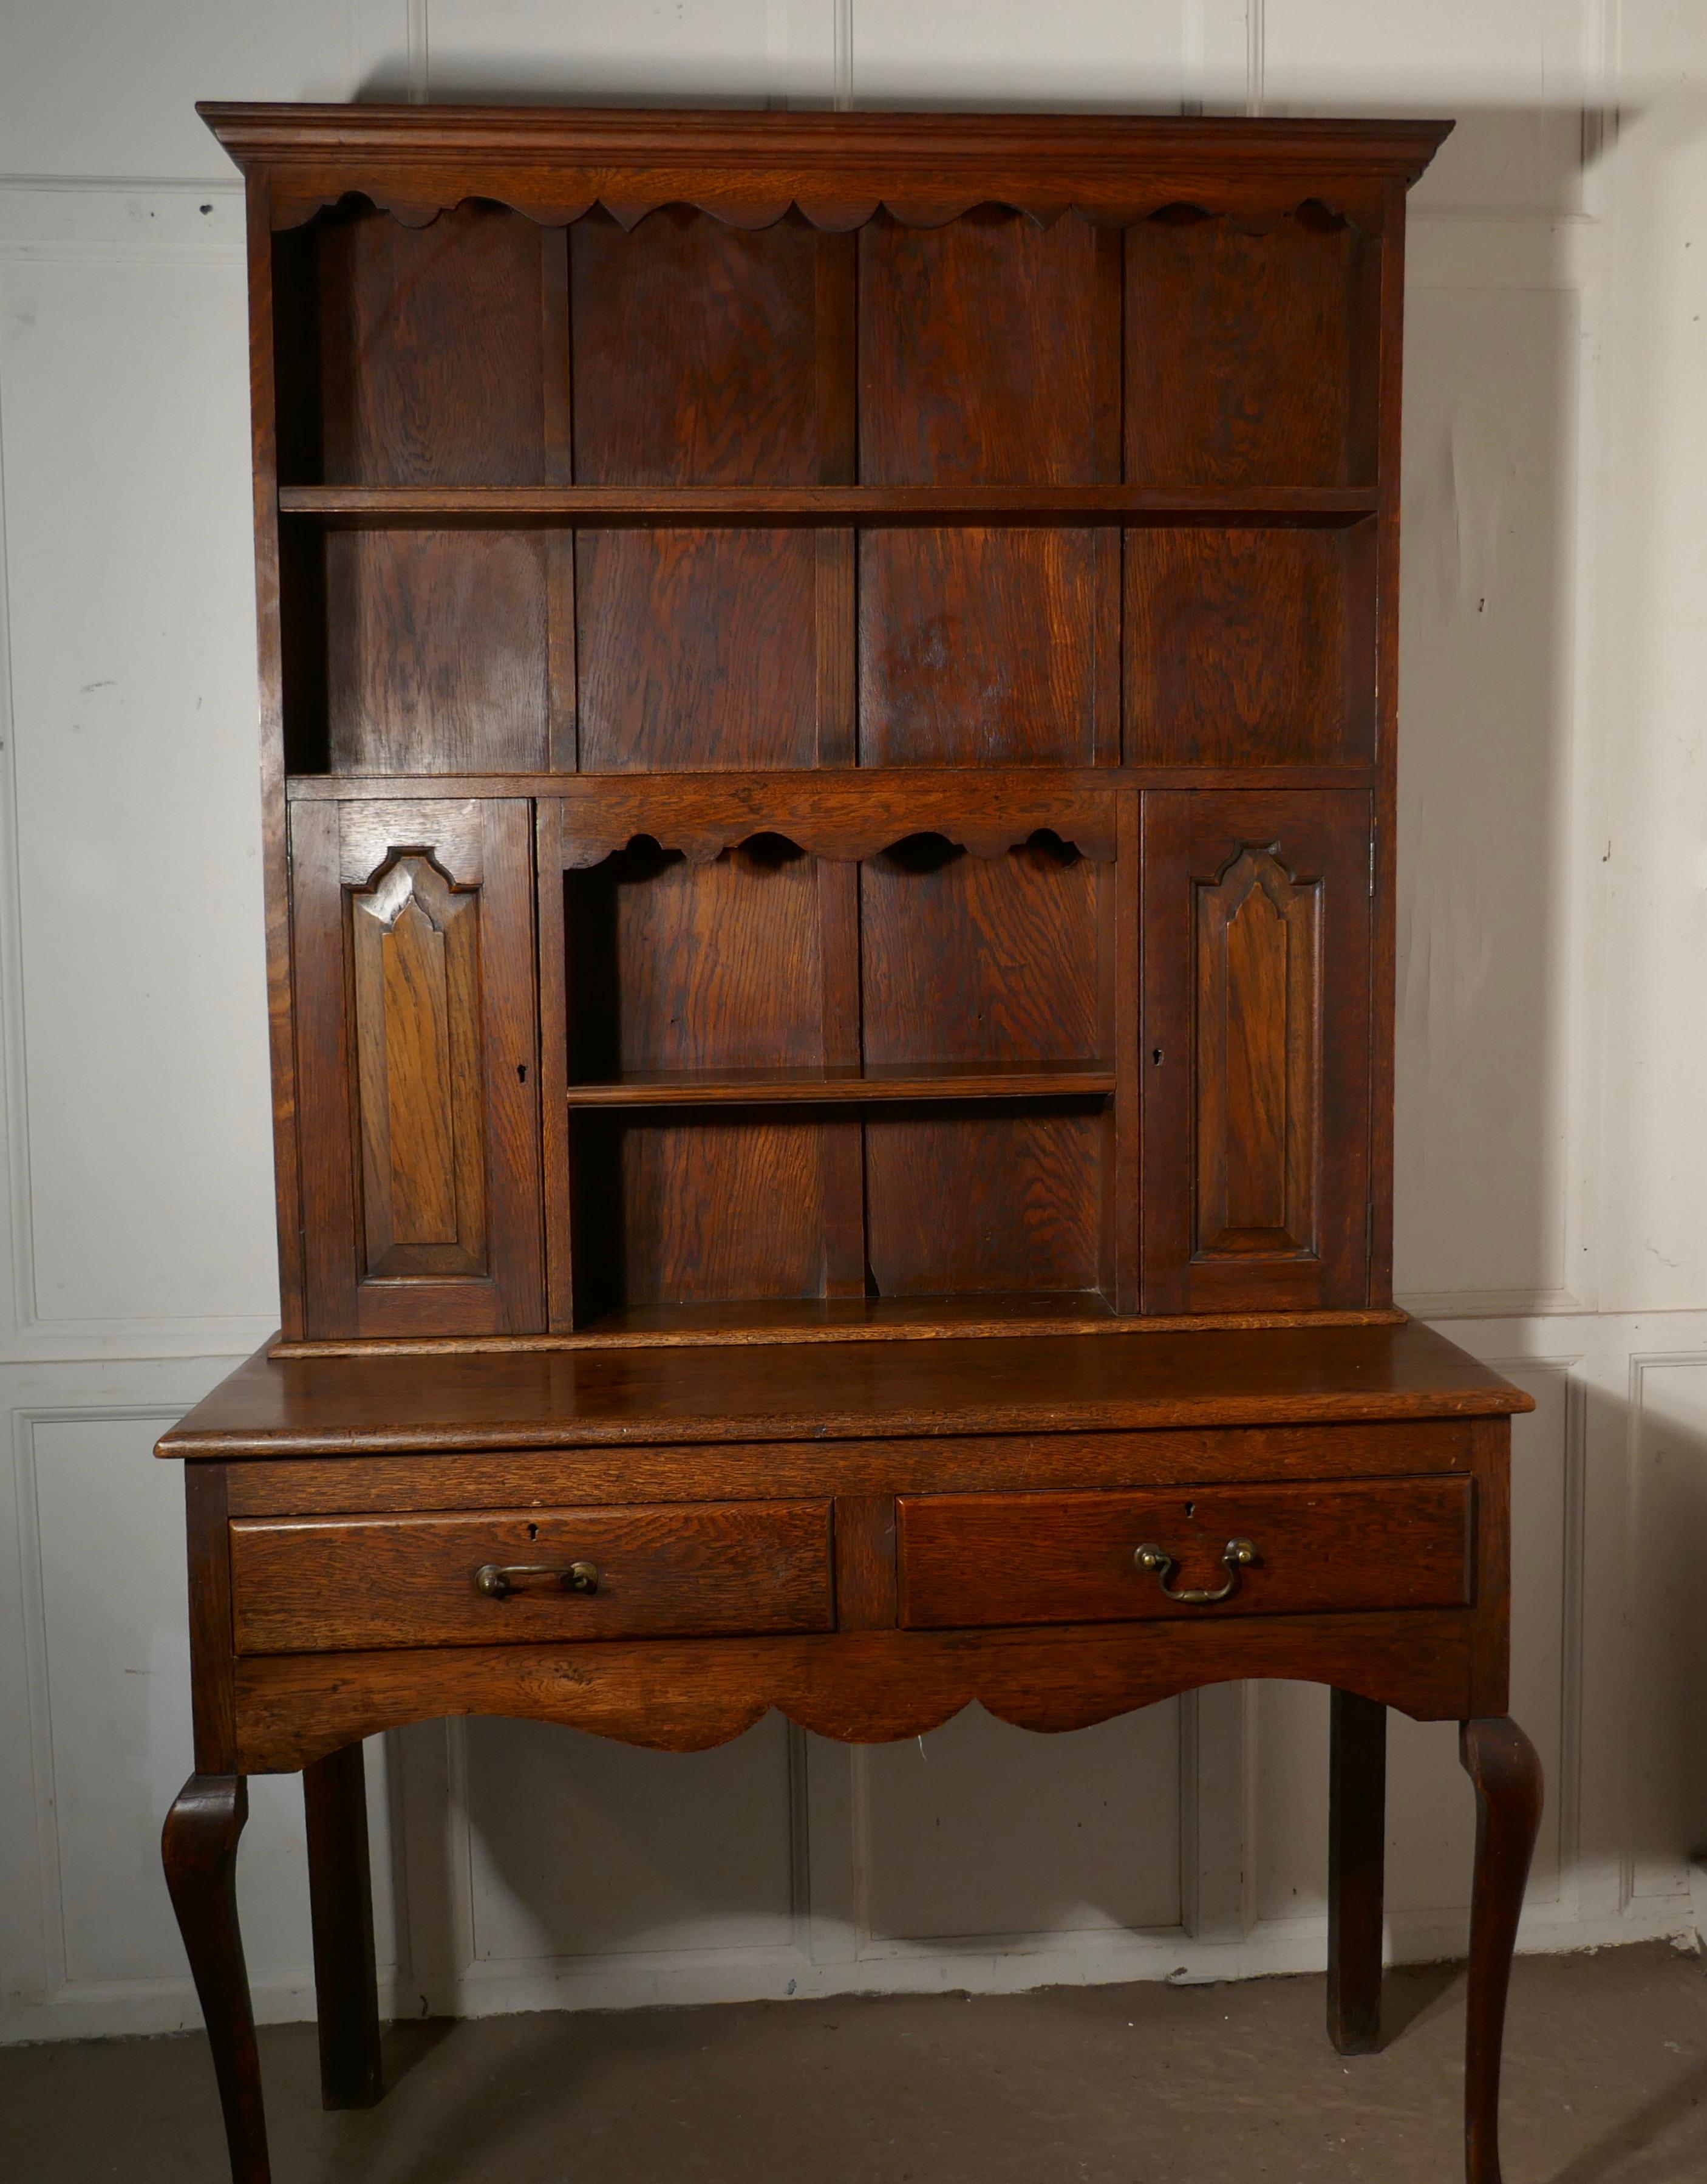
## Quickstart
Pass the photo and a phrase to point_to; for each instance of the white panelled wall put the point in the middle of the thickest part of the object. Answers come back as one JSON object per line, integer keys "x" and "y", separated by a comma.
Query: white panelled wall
{"x": 1553, "y": 1035}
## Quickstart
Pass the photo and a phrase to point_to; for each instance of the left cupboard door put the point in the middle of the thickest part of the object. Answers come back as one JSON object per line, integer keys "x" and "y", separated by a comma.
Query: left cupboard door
{"x": 417, "y": 1067}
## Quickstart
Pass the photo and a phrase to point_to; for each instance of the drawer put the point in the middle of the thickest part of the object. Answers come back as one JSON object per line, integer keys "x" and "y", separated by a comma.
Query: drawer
{"x": 970, "y": 1559}
{"x": 304, "y": 1583}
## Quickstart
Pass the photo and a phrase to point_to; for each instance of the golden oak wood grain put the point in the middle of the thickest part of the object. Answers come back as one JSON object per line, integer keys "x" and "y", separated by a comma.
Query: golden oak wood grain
{"x": 748, "y": 167}
{"x": 1246, "y": 354}
{"x": 418, "y": 1058}
{"x": 309, "y": 1584}
{"x": 863, "y": 1687}
{"x": 757, "y": 495}
{"x": 344, "y": 507}
{"x": 430, "y": 372}
{"x": 1256, "y": 1039}
{"x": 967, "y": 1559}
{"x": 1296, "y": 1375}
{"x": 307, "y": 1485}
{"x": 849, "y": 1084}
{"x": 1246, "y": 645}
{"x": 866, "y": 1574}
{"x": 759, "y": 1323}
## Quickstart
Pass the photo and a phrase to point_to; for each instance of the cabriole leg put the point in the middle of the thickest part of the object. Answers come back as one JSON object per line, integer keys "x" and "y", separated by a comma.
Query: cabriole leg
{"x": 1501, "y": 1761}
{"x": 1356, "y": 1871}
{"x": 198, "y": 1848}
{"x": 341, "y": 1899}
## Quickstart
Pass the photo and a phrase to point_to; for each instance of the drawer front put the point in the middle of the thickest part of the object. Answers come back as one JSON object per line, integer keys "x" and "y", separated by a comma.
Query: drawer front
{"x": 302, "y": 1584}
{"x": 973, "y": 1559}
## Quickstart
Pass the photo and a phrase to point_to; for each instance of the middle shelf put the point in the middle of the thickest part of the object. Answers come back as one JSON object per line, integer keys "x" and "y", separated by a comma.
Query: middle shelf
{"x": 849, "y": 1086}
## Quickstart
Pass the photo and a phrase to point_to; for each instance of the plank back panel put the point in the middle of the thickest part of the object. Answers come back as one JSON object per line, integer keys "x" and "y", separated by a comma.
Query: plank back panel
{"x": 988, "y": 352}
{"x": 705, "y": 355}
{"x": 435, "y": 657}
{"x": 1249, "y": 355}
{"x": 432, "y": 361}
{"x": 1249, "y": 647}
{"x": 695, "y": 351}
{"x": 967, "y": 958}
{"x": 673, "y": 966}
{"x": 727, "y": 1207}
{"x": 680, "y": 966}
{"x": 696, "y": 649}
{"x": 964, "y": 1199}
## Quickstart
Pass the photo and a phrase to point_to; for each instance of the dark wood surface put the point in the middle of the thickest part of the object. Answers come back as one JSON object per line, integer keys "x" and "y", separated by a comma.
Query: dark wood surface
{"x": 968, "y": 1560}
{"x": 828, "y": 696}
{"x": 313, "y": 1407}
{"x": 306, "y": 1583}
{"x": 767, "y": 507}
{"x": 341, "y": 1917}
{"x": 418, "y": 1060}
{"x": 667, "y": 474}
{"x": 1356, "y": 1871}
{"x": 1256, "y": 1054}
{"x": 871, "y": 1470}
{"x": 1502, "y": 1763}
{"x": 199, "y": 1849}
{"x": 851, "y": 1083}
{"x": 857, "y": 1686}
{"x": 748, "y": 168}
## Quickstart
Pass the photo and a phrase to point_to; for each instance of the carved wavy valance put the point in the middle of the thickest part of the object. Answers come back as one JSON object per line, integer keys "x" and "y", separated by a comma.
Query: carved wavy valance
{"x": 701, "y": 816}
{"x": 835, "y": 171}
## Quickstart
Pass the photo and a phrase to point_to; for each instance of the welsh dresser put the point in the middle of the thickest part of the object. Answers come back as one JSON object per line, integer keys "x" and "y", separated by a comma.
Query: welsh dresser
{"x": 828, "y": 706}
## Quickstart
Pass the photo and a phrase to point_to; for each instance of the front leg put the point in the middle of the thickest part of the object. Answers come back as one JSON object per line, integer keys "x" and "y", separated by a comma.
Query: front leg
{"x": 1356, "y": 1871}
{"x": 198, "y": 1848}
{"x": 1501, "y": 1761}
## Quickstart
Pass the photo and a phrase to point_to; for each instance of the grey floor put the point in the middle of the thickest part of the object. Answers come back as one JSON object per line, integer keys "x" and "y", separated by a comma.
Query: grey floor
{"x": 1606, "y": 2084}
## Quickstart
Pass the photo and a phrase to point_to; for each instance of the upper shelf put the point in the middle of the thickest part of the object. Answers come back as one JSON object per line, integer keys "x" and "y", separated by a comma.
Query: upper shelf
{"x": 611, "y": 507}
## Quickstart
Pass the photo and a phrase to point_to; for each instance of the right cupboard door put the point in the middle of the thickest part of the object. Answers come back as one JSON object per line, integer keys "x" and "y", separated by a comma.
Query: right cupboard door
{"x": 1255, "y": 1061}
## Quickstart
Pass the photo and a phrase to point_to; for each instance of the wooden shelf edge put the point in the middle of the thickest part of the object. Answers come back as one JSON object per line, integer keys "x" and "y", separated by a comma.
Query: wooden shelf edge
{"x": 1087, "y": 1081}
{"x": 769, "y": 792}
{"x": 604, "y": 507}
{"x": 609, "y": 1335}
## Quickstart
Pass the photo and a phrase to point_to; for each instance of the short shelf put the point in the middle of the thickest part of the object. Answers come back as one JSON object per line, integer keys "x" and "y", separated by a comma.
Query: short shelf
{"x": 693, "y": 1087}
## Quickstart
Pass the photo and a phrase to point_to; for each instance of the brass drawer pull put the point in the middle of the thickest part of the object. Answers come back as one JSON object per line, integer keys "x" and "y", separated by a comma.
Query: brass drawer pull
{"x": 1237, "y": 1555}
{"x": 498, "y": 1581}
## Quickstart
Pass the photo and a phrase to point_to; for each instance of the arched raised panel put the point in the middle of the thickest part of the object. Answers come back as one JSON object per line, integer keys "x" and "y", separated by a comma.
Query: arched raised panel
{"x": 1256, "y": 1059}
{"x": 1257, "y": 1063}
{"x": 415, "y": 950}
{"x": 417, "y": 1071}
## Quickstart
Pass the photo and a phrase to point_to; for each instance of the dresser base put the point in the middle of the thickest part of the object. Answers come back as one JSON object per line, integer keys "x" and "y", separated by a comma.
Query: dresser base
{"x": 866, "y": 1539}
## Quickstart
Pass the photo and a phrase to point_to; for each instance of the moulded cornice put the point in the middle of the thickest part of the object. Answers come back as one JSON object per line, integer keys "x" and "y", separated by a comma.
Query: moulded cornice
{"x": 836, "y": 170}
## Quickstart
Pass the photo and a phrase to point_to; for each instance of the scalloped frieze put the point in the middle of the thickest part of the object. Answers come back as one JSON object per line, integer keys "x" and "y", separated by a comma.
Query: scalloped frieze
{"x": 834, "y": 839}
{"x": 562, "y": 199}
{"x": 856, "y": 1687}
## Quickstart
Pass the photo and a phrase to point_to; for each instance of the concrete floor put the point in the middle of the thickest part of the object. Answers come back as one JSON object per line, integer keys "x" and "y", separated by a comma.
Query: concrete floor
{"x": 1606, "y": 2083}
